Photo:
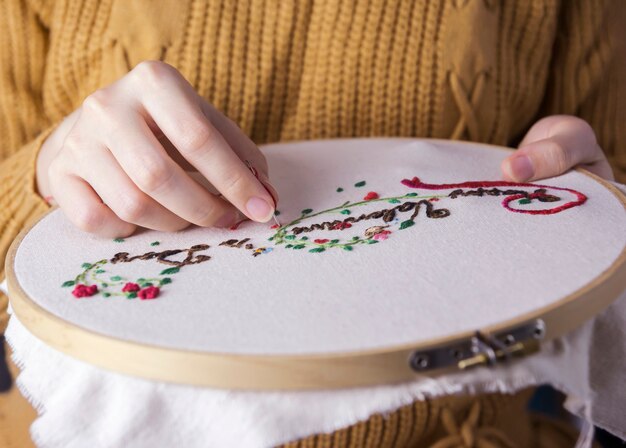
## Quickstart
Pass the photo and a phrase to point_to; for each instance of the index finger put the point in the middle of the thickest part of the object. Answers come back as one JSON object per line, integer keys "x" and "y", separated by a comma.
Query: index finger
{"x": 180, "y": 118}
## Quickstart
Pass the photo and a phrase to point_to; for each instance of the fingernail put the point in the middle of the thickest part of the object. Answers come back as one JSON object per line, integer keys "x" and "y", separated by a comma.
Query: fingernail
{"x": 521, "y": 168}
{"x": 259, "y": 209}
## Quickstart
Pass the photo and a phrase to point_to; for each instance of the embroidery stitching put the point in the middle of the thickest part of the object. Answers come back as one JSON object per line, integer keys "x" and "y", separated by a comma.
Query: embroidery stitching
{"x": 292, "y": 235}
{"x": 512, "y": 195}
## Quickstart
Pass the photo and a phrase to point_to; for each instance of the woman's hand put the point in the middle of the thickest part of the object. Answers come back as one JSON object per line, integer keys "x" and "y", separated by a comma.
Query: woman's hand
{"x": 120, "y": 160}
{"x": 552, "y": 146}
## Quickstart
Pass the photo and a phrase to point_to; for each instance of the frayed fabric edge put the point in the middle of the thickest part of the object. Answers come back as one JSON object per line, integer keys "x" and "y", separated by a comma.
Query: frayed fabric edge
{"x": 21, "y": 365}
{"x": 429, "y": 389}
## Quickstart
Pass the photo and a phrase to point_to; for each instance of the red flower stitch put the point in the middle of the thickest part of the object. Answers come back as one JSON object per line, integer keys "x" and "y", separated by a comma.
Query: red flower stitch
{"x": 342, "y": 225}
{"x": 81, "y": 290}
{"x": 433, "y": 199}
{"x": 371, "y": 195}
{"x": 275, "y": 226}
{"x": 151, "y": 292}
{"x": 320, "y": 241}
{"x": 131, "y": 287}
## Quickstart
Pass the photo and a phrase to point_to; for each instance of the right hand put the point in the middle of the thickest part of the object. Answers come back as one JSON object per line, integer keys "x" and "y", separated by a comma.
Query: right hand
{"x": 120, "y": 160}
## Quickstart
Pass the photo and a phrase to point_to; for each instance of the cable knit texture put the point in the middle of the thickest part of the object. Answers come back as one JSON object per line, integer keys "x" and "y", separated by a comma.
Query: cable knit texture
{"x": 481, "y": 70}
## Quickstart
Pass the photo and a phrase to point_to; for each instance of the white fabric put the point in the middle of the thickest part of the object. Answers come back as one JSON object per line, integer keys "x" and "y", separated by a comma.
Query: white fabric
{"x": 480, "y": 266}
{"x": 81, "y": 405}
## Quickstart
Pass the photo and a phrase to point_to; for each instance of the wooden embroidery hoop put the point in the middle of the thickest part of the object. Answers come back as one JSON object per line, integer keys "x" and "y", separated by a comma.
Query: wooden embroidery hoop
{"x": 362, "y": 368}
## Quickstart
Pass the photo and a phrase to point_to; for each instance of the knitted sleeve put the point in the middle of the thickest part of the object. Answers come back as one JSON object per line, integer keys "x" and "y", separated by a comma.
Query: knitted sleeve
{"x": 588, "y": 73}
{"x": 23, "y": 126}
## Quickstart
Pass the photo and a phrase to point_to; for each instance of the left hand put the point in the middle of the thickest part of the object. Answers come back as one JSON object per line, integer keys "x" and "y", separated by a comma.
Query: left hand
{"x": 552, "y": 146}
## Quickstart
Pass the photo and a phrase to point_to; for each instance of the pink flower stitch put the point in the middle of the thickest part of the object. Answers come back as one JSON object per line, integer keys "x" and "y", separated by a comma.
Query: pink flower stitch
{"x": 131, "y": 287}
{"x": 81, "y": 290}
{"x": 382, "y": 236}
{"x": 151, "y": 292}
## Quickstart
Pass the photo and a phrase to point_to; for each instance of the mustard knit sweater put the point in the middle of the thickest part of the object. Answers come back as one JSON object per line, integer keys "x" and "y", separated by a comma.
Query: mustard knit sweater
{"x": 481, "y": 70}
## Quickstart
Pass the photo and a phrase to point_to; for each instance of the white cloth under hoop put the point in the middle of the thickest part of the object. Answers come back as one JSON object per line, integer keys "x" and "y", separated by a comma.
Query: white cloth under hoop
{"x": 78, "y": 403}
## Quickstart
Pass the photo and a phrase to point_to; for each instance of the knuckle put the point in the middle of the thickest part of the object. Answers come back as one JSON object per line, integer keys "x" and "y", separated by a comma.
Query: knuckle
{"x": 133, "y": 208}
{"x": 153, "y": 73}
{"x": 560, "y": 156}
{"x": 88, "y": 219}
{"x": 585, "y": 129}
{"x": 235, "y": 184}
{"x": 206, "y": 216}
{"x": 73, "y": 144}
{"x": 577, "y": 121}
{"x": 98, "y": 103}
{"x": 197, "y": 139}
{"x": 152, "y": 176}
{"x": 99, "y": 108}
{"x": 571, "y": 123}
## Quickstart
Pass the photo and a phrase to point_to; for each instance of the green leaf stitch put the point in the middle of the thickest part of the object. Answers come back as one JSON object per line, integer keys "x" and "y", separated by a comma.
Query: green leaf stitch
{"x": 169, "y": 271}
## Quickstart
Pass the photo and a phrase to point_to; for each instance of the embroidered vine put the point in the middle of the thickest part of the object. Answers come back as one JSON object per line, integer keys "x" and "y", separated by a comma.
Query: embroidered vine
{"x": 394, "y": 213}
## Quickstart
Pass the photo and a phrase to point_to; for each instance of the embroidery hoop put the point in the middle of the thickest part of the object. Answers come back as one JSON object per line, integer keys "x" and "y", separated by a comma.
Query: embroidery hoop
{"x": 390, "y": 364}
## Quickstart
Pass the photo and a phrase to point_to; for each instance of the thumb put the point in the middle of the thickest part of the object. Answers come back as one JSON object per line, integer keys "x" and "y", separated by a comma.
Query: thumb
{"x": 554, "y": 145}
